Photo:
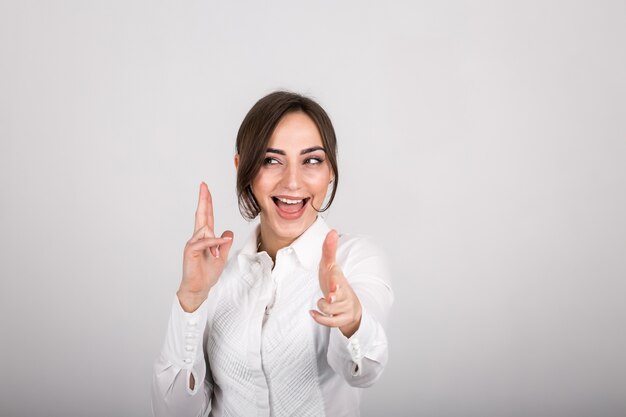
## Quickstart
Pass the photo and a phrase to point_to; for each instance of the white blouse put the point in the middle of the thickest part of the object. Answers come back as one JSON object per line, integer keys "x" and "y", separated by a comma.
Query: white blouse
{"x": 256, "y": 347}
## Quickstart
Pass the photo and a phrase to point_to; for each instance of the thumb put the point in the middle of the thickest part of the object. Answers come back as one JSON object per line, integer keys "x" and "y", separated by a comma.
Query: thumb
{"x": 329, "y": 250}
{"x": 225, "y": 247}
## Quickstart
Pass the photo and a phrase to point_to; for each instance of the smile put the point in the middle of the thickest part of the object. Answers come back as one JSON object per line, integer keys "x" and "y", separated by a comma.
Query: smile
{"x": 290, "y": 208}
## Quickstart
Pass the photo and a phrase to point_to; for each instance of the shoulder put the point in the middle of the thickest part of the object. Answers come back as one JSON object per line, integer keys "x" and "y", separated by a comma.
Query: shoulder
{"x": 364, "y": 262}
{"x": 360, "y": 250}
{"x": 236, "y": 266}
{"x": 356, "y": 245}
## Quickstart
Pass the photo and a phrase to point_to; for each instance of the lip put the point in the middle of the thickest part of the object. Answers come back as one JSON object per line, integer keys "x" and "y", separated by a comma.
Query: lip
{"x": 288, "y": 197}
{"x": 291, "y": 216}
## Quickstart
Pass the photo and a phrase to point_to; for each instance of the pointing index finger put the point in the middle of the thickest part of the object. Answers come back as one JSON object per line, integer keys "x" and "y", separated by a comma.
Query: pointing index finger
{"x": 329, "y": 249}
{"x": 204, "y": 212}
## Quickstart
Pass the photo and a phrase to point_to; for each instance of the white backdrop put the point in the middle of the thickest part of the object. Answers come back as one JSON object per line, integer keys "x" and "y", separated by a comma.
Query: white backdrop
{"x": 483, "y": 143}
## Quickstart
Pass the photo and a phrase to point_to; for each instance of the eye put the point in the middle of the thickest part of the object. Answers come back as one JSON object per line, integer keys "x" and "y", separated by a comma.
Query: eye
{"x": 313, "y": 161}
{"x": 270, "y": 161}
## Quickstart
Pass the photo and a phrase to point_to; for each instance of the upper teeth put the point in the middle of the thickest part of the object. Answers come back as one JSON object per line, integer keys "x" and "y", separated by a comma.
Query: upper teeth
{"x": 284, "y": 200}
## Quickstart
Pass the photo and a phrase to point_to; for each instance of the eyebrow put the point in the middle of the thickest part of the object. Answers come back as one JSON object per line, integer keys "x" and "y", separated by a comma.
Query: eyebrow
{"x": 302, "y": 152}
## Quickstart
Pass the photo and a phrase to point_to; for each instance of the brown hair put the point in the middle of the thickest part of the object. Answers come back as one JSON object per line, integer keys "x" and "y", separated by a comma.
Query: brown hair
{"x": 254, "y": 135}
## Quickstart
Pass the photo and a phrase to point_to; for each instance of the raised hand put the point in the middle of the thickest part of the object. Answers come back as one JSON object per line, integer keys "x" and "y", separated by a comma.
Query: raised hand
{"x": 340, "y": 307}
{"x": 204, "y": 257}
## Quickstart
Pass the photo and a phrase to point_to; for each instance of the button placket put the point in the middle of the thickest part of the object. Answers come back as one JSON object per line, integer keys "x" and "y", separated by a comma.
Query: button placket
{"x": 191, "y": 335}
{"x": 357, "y": 356}
{"x": 274, "y": 278}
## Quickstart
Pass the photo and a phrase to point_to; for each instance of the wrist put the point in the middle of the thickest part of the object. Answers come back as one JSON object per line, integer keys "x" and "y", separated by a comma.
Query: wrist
{"x": 350, "y": 329}
{"x": 190, "y": 301}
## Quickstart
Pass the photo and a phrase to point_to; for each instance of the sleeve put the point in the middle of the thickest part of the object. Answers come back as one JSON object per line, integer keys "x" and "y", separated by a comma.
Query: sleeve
{"x": 361, "y": 359}
{"x": 182, "y": 355}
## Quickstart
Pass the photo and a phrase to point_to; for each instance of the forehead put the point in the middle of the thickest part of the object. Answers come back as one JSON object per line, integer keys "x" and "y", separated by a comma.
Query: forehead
{"x": 295, "y": 131}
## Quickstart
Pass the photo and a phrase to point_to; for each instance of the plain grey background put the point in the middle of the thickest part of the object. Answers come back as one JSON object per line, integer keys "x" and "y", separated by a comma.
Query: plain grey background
{"x": 483, "y": 143}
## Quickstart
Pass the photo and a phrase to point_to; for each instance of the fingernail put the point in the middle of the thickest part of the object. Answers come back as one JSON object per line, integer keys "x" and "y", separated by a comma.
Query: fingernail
{"x": 312, "y": 313}
{"x": 332, "y": 299}
{"x": 227, "y": 238}
{"x": 217, "y": 251}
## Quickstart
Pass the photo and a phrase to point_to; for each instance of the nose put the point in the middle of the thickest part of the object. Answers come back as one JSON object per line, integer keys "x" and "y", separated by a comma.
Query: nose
{"x": 292, "y": 177}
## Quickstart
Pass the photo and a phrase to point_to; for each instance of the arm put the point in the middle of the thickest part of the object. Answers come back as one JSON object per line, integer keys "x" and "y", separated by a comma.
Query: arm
{"x": 179, "y": 386}
{"x": 358, "y": 295}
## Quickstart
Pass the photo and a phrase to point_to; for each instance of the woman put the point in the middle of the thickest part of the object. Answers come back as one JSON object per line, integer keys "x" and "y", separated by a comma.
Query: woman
{"x": 292, "y": 324}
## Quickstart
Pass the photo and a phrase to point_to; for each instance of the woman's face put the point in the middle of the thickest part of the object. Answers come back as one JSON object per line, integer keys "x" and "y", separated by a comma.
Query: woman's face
{"x": 294, "y": 176}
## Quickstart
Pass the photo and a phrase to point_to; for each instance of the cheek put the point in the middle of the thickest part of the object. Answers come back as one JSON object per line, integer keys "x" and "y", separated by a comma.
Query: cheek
{"x": 263, "y": 186}
{"x": 259, "y": 190}
{"x": 261, "y": 183}
{"x": 318, "y": 182}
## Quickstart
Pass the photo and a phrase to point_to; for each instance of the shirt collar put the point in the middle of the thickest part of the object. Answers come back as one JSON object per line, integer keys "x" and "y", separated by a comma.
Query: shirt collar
{"x": 307, "y": 247}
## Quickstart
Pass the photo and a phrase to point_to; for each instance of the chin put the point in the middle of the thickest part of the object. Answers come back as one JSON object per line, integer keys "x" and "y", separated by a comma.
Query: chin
{"x": 290, "y": 228}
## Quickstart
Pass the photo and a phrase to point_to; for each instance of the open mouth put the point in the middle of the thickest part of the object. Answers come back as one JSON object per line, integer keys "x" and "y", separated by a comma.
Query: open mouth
{"x": 290, "y": 207}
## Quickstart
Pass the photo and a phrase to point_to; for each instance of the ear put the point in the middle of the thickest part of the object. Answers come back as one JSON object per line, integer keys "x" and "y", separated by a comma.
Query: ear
{"x": 236, "y": 161}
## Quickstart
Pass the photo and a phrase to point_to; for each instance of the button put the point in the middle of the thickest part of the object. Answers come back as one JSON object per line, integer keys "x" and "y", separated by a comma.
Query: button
{"x": 192, "y": 322}
{"x": 190, "y": 336}
{"x": 290, "y": 250}
{"x": 355, "y": 349}
{"x": 189, "y": 348}
{"x": 187, "y": 360}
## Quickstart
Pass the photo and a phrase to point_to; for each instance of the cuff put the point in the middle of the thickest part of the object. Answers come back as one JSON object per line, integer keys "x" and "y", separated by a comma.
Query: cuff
{"x": 357, "y": 344}
{"x": 183, "y": 344}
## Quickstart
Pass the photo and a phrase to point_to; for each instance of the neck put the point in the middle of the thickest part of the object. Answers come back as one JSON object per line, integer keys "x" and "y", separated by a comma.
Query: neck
{"x": 268, "y": 241}
{"x": 271, "y": 245}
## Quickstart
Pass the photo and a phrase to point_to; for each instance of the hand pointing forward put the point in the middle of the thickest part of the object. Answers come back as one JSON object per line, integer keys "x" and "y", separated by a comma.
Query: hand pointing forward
{"x": 340, "y": 306}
